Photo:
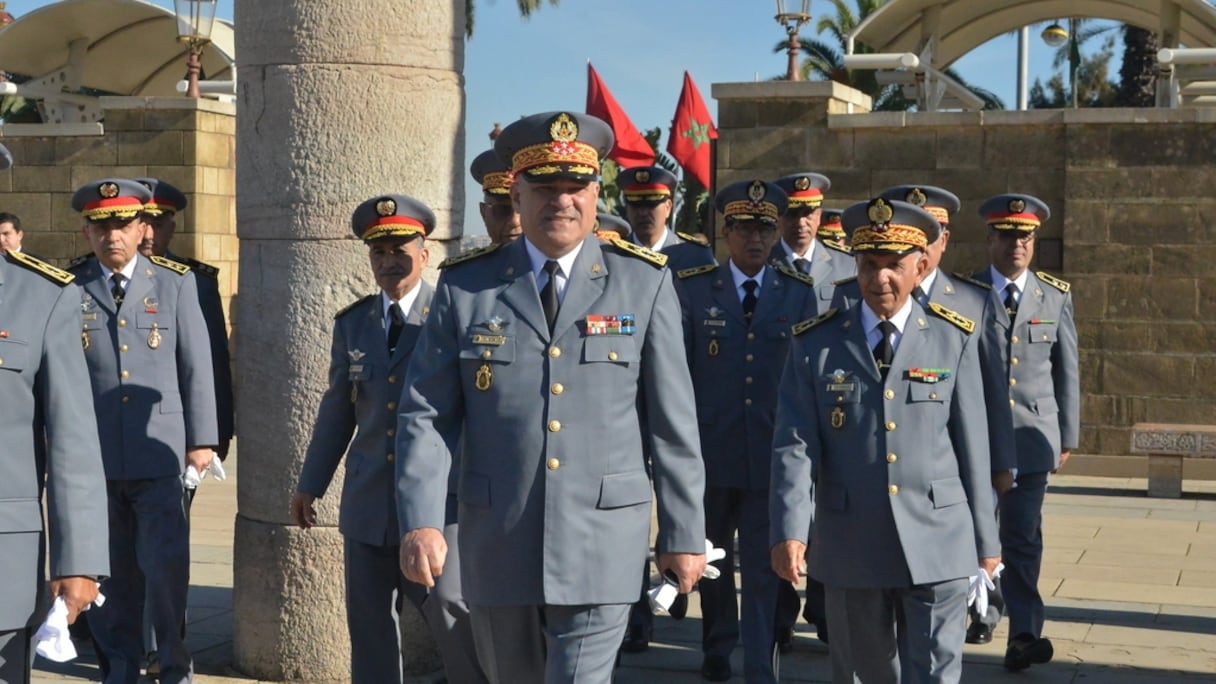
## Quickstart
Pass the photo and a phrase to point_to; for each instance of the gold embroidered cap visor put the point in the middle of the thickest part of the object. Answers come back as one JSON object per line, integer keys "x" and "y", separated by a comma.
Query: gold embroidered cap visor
{"x": 890, "y": 227}
{"x": 554, "y": 145}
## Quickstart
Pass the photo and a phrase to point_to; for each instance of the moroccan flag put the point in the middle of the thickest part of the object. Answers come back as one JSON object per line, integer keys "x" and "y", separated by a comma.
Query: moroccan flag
{"x": 631, "y": 149}
{"x": 691, "y": 131}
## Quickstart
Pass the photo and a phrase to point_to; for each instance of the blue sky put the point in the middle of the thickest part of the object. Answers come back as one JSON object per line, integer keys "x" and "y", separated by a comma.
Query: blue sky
{"x": 641, "y": 49}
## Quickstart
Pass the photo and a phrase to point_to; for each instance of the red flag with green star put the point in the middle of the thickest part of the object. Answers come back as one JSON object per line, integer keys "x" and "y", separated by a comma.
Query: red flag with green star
{"x": 691, "y": 131}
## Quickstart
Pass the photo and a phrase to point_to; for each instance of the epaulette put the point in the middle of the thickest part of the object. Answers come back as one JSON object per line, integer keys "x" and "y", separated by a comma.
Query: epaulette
{"x": 175, "y": 266}
{"x": 39, "y": 266}
{"x": 351, "y": 307}
{"x": 1061, "y": 285}
{"x": 968, "y": 279}
{"x": 796, "y": 275}
{"x": 79, "y": 260}
{"x": 200, "y": 267}
{"x": 689, "y": 237}
{"x": 837, "y": 246}
{"x": 809, "y": 323}
{"x": 697, "y": 270}
{"x": 844, "y": 281}
{"x": 641, "y": 252}
{"x": 965, "y": 324}
{"x": 468, "y": 256}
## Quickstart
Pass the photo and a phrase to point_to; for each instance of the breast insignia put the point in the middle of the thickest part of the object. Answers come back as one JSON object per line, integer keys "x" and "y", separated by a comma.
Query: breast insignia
{"x": 965, "y": 324}
{"x": 39, "y": 266}
{"x": 698, "y": 270}
{"x": 1061, "y": 285}
{"x": 175, "y": 266}
{"x": 809, "y": 323}
{"x": 468, "y": 256}
{"x": 641, "y": 252}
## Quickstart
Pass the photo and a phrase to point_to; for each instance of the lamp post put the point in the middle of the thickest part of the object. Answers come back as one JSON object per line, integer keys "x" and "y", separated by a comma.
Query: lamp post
{"x": 793, "y": 21}
{"x": 1057, "y": 36}
{"x": 194, "y": 21}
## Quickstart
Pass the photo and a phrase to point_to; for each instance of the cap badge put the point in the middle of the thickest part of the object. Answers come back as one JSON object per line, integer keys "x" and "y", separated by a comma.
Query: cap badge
{"x": 880, "y": 214}
{"x": 642, "y": 176}
{"x": 803, "y": 183}
{"x": 756, "y": 191}
{"x": 108, "y": 190}
{"x": 563, "y": 130}
{"x": 386, "y": 207}
{"x": 916, "y": 197}
{"x": 1017, "y": 206}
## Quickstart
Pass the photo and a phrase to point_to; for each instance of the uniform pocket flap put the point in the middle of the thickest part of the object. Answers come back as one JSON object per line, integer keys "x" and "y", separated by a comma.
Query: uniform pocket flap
{"x": 947, "y": 492}
{"x": 14, "y": 354}
{"x": 474, "y": 490}
{"x": 359, "y": 371}
{"x": 624, "y": 489}
{"x": 1046, "y": 406}
{"x": 919, "y": 391}
{"x": 1042, "y": 332}
{"x": 153, "y": 320}
{"x": 20, "y": 515}
{"x": 610, "y": 348}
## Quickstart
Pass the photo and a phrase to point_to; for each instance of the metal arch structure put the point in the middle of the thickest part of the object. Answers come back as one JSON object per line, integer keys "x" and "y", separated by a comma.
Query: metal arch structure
{"x": 73, "y": 49}
{"x": 939, "y": 32}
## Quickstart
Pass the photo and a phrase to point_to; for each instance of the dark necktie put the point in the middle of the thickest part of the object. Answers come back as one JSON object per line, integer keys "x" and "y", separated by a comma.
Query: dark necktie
{"x": 802, "y": 265}
{"x": 116, "y": 288}
{"x": 884, "y": 351}
{"x": 548, "y": 295}
{"x": 749, "y": 299}
{"x": 919, "y": 295}
{"x": 395, "y": 326}
{"x": 1011, "y": 300}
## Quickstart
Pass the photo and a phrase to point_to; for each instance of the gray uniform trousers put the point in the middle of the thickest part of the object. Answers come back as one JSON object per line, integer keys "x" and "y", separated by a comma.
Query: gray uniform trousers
{"x": 15, "y": 656}
{"x": 550, "y": 644}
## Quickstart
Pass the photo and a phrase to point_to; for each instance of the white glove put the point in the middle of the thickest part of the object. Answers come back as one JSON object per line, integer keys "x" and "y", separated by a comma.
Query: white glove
{"x": 712, "y": 555}
{"x": 981, "y": 584}
{"x": 193, "y": 478}
{"x": 52, "y": 640}
{"x": 664, "y": 593}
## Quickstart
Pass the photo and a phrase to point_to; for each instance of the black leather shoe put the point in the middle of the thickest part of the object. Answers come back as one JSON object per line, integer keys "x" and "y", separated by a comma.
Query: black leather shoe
{"x": 1025, "y": 650}
{"x": 716, "y": 668}
{"x": 679, "y": 607}
{"x": 637, "y": 639}
{"x": 785, "y": 639}
{"x": 979, "y": 633}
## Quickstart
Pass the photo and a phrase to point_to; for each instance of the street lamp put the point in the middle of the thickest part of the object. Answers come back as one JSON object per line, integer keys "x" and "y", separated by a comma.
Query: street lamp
{"x": 194, "y": 21}
{"x": 1057, "y": 36}
{"x": 793, "y": 21}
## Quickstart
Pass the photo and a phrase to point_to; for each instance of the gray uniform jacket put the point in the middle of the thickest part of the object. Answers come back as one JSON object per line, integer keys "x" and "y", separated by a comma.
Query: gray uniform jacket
{"x": 828, "y": 265}
{"x": 898, "y": 471}
{"x": 975, "y": 301}
{"x": 364, "y": 387}
{"x": 554, "y": 497}
{"x": 1044, "y": 380}
{"x": 206, "y": 278}
{"x": 682, "y": 253}
{"x": 150, "y": 366}
{"x": 50, "y": 436}
{"x": 735, "y": 368}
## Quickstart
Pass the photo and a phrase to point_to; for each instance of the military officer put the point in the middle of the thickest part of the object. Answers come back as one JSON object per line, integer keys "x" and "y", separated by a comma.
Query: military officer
{"x": 1040, "y": 342}
{"x": 737, "y": 320}
{"x": 497, "y": 212}
{"x": 648, "y": 192}
{"x": 880, "y": 423}
{"x": 552, "y": 533}
{"x": 49, "y": 434}
{"x": 11, "y": 234}
{"x": 831, "y": 232}
{"x": 824, "y": 262}
{"x": 372, "y": 343}
{"x": 149, "y": 364}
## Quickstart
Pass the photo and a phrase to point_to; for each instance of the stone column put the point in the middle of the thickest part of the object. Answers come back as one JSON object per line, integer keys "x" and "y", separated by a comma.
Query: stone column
{"x": 336, "y": 102}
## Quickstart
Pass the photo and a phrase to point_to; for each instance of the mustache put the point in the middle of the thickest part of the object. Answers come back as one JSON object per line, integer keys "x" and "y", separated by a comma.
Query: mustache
{"x": 392, "y": 271}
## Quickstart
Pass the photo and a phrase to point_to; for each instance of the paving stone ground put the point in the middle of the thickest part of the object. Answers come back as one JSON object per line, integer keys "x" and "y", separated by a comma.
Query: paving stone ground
{"x": 1130, "y": 584}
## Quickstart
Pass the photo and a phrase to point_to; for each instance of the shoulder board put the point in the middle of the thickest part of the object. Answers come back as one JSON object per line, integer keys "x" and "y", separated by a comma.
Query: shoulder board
{"x": 39, "y": 266}
{"x": 965, "y": 324}
{"x": 201, "y": 267}
{"x": 837, "y": 246}
{"x": 689, "y": 237}
{"x": 968, "y": 279}
{"x": 1061, "y": 285}
{"x": 641, "y": 252}
{"x": 468, "y": 256}
{"x": 698, "y": 270}
{"x": 175, "y": 266}
{"x": 809, "y": 323}
{"x": 844, "y": 281}
{"x": 796, "y": 275}
{"x": 352, "y": 306}
{"x": 80, "y": 260}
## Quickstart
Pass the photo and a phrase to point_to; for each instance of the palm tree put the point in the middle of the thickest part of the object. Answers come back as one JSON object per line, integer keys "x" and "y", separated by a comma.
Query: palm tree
{"x": 526, "y": 8}
{"x": 1138, "y": 74}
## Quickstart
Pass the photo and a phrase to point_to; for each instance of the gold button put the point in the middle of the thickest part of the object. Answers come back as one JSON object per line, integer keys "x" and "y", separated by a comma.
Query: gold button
{"x": 1, "y": 362}
{"x": 122, "y": 322}
{"x": 890, "y": 425}
{"x": 555, "y": 425}
{"x": 1014, "y": 339}
{"x": 1012, "y": 403}
{"x": 1014, "y": 360}
{"x": 751, "y": 336}
{"x": 747, "y": 402}
{"x": 890, "y": 394}
{"x": 557, "y": 388}
{"x": 612, "y": 356}
{"x": 122, "y": 347}
{"x": 747, "y": 380}
{"x": 1044, "y": 338}
{"x": 390, "y": 458}
{"x": 125, "y": 375}
{"x": 747, "y": 358}
{"x": 392, "y": 379}
{"x": 554, "y": 352}
{"x": 1013, "y": 381}
{"x": 933, "y": 395}
{"x": 390, "y": 432}
{"x": 839, "y": 399}
{"x": 553, "y": 464}
{"x": 126, "y": 400}
{"x": 891, "y": 457}
{"x": 487, "y": 354}
{"x": 392, "y": 405}
{"x": 893, "y": 489}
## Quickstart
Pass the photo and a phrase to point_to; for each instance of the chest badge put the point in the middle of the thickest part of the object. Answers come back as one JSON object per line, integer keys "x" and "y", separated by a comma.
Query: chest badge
{"x": 838, "y": 418}
{"x": 154, "y": 337}
{"x": 713, "y": 346}
{"x": 355, "y": 355}
{"x": 484, "y": 378}
{"x": 85, "y": 340}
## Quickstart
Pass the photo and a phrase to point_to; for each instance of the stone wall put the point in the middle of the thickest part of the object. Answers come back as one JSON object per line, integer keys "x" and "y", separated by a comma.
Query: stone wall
{"x": 1132, "y": 226}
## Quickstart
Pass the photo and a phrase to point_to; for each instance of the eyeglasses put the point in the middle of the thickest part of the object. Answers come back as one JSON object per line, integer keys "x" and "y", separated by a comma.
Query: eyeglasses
{"x": 753, "y": 230}
{"x": 500, "y": 211}
{"x": 1022, "y": 237}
